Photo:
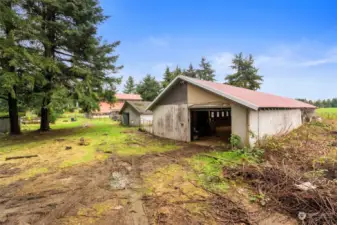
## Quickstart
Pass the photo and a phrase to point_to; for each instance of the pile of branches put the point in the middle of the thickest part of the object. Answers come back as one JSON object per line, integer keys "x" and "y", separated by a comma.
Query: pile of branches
{"x": 226, "y": 211}
{"x": 279, "y": 186}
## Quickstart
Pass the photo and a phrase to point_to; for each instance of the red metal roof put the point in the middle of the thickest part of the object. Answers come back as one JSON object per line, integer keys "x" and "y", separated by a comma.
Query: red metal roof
{"x": 259, "y": 99}
{"x": 106, "y": 107}
{"x": 123, "y": 96}
{"x": 251, "y": 99}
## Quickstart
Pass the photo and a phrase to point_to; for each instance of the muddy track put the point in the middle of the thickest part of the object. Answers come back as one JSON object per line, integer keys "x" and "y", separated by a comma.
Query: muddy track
{"x": 55, "y": 197}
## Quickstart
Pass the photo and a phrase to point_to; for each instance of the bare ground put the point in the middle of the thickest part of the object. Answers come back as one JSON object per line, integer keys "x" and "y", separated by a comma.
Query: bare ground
{"x": 113, "y": 192}
{"x": 83, "y": 194}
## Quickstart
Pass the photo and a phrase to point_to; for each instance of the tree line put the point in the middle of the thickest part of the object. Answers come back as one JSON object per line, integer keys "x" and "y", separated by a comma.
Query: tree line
{"x": 51, "y": 56}
{"x": 149, "y": 87}
{"x": 245, "y": 75}
{"x": 325, "y": 103}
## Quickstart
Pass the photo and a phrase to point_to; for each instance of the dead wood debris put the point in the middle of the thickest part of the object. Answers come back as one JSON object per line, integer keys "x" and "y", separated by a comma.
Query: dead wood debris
{"x": 279, "y": 184}
{"x": 21, "y": 157}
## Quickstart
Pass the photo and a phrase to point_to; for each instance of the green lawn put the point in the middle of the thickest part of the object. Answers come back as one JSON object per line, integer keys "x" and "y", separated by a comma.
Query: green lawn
{"x": 102, "y": 137}
{"x": 328, "y": 113}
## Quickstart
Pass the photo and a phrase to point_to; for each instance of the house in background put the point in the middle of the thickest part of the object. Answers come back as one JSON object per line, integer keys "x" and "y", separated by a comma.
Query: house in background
{"x": 190, "y": 109}
{"x": 111, "y": 110}
{"x": 134, "y": 113}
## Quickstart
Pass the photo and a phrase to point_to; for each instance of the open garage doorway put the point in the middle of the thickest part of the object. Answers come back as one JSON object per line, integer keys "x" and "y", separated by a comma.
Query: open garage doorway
{"x": 211, "y": 124}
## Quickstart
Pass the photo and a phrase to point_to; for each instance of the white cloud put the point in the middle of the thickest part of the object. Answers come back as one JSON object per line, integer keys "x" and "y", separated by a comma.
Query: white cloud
{"x": 290, "y": 71}
{"x": 221, "y": 62}
{"x": 159, "y": 41}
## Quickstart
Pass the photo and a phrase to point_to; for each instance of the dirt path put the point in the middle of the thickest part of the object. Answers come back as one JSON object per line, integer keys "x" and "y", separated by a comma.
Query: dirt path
{"x": 108, "y": 192}
{"x": 113, "y": 192}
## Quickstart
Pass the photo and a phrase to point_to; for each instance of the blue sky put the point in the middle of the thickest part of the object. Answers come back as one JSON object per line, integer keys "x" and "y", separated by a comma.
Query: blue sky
{"x": 294, "y": 42}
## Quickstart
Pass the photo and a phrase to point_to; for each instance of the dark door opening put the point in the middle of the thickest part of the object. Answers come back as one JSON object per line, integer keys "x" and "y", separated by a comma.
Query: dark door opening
{"x": 126, "y": 119}
{"x": 210, "y": 123}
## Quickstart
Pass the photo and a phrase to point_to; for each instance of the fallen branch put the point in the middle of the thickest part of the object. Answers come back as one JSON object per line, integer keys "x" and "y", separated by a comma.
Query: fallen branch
{"x": 21, "y": 157}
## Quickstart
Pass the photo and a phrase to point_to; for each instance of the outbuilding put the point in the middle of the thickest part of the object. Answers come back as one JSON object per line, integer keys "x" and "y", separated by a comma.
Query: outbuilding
{"x": 4, "y": 124}
{"x": 189, "y": 109}
{"x": 134, "y": 113}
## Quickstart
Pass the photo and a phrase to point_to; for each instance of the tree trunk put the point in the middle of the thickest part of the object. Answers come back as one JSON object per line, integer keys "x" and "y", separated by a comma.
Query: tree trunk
{"x": 44, "y": 124}
{"x": 13, "y": 115}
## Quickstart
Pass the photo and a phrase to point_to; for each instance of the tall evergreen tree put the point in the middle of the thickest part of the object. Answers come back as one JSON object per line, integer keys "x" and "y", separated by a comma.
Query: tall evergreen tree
{"x": 17, "y": 62}
{"x": 246, "y": 73}
{"x": 74, "y": 57}
{"x": 167, "y": 78}
{"x": 205, "y": 72}
{"x": 190, "y": 72}
{"x": 176, "y": 72}
{"x": 129, "y": 87}
{"x": 149, "y": 88}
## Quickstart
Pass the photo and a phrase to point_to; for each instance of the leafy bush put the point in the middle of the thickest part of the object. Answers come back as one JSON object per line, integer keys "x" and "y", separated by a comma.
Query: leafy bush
{"x": 235, "y": 141}
{"x": 53, "y": 115}
{"x": 255, "y": 154}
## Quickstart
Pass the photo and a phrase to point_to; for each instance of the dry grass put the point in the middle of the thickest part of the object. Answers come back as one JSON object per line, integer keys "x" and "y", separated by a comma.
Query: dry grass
{"x": 307, "y": 154}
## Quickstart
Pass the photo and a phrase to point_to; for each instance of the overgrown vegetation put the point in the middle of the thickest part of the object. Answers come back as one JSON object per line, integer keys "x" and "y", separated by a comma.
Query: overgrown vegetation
{"x": 209, "y": 167}
{"x": 299, "y": 176}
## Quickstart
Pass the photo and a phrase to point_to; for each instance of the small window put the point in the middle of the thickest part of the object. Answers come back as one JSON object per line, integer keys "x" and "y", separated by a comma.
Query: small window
{"x": 218, "y": 114}
{"x": 222, "y": 114}
{"x": 212, "y": 114}
{"x": 227, "y": 113}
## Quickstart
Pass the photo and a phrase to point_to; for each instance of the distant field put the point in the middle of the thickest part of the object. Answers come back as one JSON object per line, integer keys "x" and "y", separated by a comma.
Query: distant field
{"x": 329, "y": 113}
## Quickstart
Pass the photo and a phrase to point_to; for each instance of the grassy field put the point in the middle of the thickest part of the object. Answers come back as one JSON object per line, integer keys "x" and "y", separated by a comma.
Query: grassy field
{"x": 102, "y": 137}
{"x": 98, "y": 172}
{"x": 328, "y": 113}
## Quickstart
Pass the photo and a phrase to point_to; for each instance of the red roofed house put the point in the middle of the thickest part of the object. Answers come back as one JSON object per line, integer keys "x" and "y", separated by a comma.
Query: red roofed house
{"x": 191, "y": 109}
{"x": 112, "y": 109}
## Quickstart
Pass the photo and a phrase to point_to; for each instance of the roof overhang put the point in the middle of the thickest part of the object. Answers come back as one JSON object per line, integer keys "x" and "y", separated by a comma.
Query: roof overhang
{"x": 192, "y": 81}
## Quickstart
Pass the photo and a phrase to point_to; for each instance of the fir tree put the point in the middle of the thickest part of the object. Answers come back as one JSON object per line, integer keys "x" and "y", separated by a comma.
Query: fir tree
{"x": 167, "y": 78}
{"x": 129, "y": 87}
{"x": 74, "y": 57}
{"x": 246, "y": 74}
{"x": 149, "y": 88}
{"x": 205, "y": 72}
{"x": 18, "y": 71}
{"x": 176, "y": 72}
{"x": 190, "y": 72}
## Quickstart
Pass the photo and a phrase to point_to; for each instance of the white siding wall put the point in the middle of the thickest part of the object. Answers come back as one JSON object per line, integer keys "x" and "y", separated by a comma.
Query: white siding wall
{"x": 4, "y": 125}
{"x": 172, "y": 121}
{"x": 272, "y": 122}
{"x": 146, "y": 122}
{"x": 239, "y": 122}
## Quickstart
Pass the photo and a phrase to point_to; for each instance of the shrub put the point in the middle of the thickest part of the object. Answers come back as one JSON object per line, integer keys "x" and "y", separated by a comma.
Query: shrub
{"x": 235, "y": 141}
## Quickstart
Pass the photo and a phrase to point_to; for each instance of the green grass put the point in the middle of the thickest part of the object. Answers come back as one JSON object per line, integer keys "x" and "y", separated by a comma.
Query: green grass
{"x": 327, "y": 113}
{"x": 209, "y": 167}
{"x": 102, "y": 137}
